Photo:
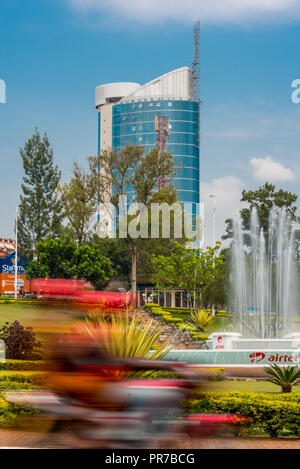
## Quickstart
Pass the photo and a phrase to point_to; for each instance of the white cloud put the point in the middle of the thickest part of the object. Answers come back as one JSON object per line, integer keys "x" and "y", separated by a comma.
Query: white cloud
{"x": 228, "y": 190}
{"x": 214, "y": 11}
{"x": 267, "y": 169}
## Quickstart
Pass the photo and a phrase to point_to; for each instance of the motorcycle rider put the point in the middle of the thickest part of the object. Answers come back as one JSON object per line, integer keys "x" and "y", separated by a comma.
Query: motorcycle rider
{"x": 83, "y": 371}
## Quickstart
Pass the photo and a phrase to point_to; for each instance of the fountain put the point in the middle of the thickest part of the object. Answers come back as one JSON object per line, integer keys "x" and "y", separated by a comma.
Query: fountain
{"x": 263, "y": 275}
{"x": 263, "y": 297}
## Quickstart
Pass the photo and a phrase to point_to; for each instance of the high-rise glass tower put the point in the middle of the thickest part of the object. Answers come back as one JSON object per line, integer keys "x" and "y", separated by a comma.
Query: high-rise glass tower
{"x": 128, "y": 113}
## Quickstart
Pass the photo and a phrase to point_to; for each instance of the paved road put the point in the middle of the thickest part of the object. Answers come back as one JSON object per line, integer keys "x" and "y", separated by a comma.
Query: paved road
{"x": 18, "y": 439}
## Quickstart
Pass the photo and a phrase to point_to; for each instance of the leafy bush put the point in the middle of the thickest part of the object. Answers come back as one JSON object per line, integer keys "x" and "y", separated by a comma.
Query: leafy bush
{"x": 181, "y": 320}
{"x": 186, "y": 327}
{"x": 10, "y": 413}
{"x": 273, "y": 414}
{"x": 23, "y": 365}
{"x": 200, "y": 319}
{"x": 128, "y": 338}
{"x": 20, "y": 342}
{"x": 22, "y": 381}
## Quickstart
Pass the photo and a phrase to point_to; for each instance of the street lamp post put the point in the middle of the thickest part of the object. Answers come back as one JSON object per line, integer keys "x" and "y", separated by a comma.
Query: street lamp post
{"x": 16, "y": 255}
{"x": 213, "y": 197}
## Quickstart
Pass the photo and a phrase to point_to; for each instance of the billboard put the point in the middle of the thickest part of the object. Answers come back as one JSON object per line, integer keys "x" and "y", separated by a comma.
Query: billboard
{"x": 7, "y": 274}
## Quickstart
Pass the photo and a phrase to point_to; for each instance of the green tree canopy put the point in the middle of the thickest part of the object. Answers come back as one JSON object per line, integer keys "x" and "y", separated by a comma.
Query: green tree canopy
{"x": 187, "y": 269}
{"x": 40, "y": 213}
{"x": 133, "y": 173}
{"x": 216, "y": 292}
{"x": 78, "y": 205}
{"x": 263, "y": 199}
{"x": 58, "y": 258}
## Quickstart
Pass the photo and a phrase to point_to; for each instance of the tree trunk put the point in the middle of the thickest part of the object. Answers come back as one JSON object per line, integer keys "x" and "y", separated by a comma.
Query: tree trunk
{"x": 286, "y": 387}
{"x": 133, "y": 271}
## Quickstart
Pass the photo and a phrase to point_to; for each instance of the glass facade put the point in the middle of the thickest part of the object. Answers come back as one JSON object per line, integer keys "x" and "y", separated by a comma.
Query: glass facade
{"x": 134, "y": 123}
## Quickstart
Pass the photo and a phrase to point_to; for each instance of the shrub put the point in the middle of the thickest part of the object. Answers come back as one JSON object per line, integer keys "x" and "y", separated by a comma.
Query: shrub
{"x": 185, "y": 327}
{"x": 24, "y": 365}
{"x": 286, "y": 376}
{"x": 129, "y": 338}
{"x": 10, "y": 413}
{"x": 22, "y": 381}
{"x": 20, "y": 342}
{"x": 200, "y": 319}
{"x": 274, "y": 414}
{"x": 181, "y": 319}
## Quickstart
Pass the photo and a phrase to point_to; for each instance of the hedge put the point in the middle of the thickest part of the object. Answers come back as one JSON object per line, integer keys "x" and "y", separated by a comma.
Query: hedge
{"x": 10, "y": 413}
{"x": 273, "y": 414}
{"x": 180, "y": 320}
{"x": 24, "y": 365}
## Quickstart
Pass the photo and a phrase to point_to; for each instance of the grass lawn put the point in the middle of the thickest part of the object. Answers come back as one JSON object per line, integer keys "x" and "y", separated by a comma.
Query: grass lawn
{"x": 39, "y": 317}
{"x": 28, "y": 314}
{"x": 244, "y": 385}
{"x": 218, "y": 324}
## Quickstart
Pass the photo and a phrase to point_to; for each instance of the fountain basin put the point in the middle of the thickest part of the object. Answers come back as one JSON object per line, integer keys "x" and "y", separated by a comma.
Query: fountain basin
{"x": 248, "y": 357}
{"x": 242, "y": 357}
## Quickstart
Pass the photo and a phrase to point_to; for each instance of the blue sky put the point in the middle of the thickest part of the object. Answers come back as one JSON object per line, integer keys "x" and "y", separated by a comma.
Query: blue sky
{"x": 53, "y": 53}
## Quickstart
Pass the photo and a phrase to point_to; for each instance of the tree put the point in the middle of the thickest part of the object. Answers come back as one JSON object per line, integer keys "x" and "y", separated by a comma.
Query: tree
{"x": 119, "y": 250}
{"x": 187, "y": 269}
{"x": 143, "y": 248}
{"x": 57, "y": 258}
{"x": 216, "y": 292}
{"x": 40, "y": 212}
{"x": 116, "y": 250}
{"x": 263, "y": 198}
{"x": 129, "y": 172}
{"x": 78, "y": 205}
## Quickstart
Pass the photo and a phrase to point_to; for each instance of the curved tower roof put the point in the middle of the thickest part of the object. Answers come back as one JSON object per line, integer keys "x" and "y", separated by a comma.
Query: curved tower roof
{"x": 177, "y": 84}
{"x": 113, "y": 92}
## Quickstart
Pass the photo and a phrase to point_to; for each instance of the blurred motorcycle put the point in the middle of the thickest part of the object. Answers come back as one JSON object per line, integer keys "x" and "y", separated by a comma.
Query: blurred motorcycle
{"x": 151, "y": 412}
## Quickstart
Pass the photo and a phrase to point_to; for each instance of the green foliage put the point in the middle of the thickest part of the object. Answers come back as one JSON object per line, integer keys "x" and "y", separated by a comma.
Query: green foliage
{"x": 10, "y": 414}
{"x": 133, "y": 170}
{"x": 22, "y": 380}
{"x": 40, "y": 213}
{"x": 78, "y": 205}
{"x": 263, "y": 198}
{"x": 286, "y": 376}
{"x": 201, "y": 318}
{"x": 20, "y": 342}
{"x": 274, "y": 414}
{"x": 172, "y": 316}
{"x": 128, "y": 168}
{"x": 188, "y": 269}
{"x": 131, "y": 338}
{"x": 60, "y": 258}
{"x": 23, "y": 365}
{"x": 116, "y": 250}
{"x": 216, "y": 291}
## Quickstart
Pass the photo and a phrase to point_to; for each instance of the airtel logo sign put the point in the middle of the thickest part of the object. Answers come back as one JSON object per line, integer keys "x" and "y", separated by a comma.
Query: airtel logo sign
{"x": 257, "y": 357}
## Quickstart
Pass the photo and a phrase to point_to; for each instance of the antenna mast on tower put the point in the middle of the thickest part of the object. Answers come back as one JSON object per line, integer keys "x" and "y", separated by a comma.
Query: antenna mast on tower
{"x": 196, "y": 62}
{"x": 196, "y": 85}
